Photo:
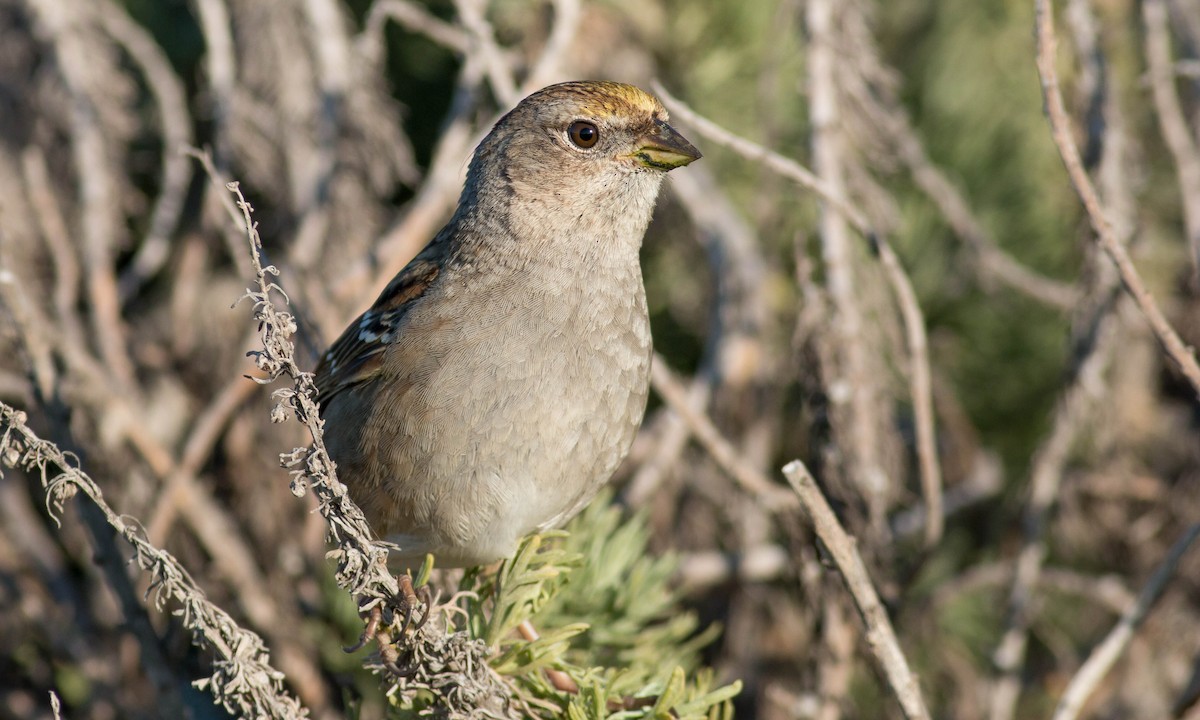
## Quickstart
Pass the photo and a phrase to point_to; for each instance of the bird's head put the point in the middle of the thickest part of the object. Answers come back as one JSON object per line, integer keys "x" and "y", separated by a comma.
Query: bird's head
{"x": 580, "y": 145}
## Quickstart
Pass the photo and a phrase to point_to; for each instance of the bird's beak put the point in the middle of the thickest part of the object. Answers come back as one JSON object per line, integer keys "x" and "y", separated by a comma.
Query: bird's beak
{"x": 664, "y": 149}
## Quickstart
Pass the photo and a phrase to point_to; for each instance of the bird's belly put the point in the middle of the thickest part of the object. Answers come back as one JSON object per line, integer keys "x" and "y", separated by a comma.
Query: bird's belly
{"x": 505, "y": 439}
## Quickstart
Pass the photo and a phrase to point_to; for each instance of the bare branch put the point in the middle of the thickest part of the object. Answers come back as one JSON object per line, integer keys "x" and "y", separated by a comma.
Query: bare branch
{"x": 1173, "y": 124}
{"x": 722, "y": 451}
{"x": 993, "y": 261}
{"x": 99, "y": 224}
{"x": 175, "y": 171}
{"x": 881, "y": 638}
{"x": 773, "y": 161}
{"x": 922, "y": 393}
{"x": 243, "y": 681}
{"x": 1106, "y": 653}
{"x": 853, "y": 369}
{"x": 837, "y": 668}
{"x": 332, "y": 61}
{"x": 58, "y": 239}
{"x": 197, "y": 449}
{"x": 220, "y": 62}
{"x": 1060, "y": 128}
{"x": 914, "y": 322}
{"x": 413, "y": 18}
{"x": 763, "y": 563}
{"x": 495, "y": 65}
{"x": 1075, "y": 406}
{"x": 548, "y": 67}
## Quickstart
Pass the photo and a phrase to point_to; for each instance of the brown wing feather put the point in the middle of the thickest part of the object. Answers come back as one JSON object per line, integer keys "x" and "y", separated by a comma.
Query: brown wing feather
{"x": 357, "y": 355}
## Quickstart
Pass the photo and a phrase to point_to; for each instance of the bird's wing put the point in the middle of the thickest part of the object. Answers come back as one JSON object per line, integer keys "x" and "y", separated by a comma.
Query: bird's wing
{"x": 357, "y": 355}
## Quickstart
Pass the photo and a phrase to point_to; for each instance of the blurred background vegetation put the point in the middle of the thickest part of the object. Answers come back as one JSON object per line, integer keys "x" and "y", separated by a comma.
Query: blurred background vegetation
{"x": 348, "y": 125}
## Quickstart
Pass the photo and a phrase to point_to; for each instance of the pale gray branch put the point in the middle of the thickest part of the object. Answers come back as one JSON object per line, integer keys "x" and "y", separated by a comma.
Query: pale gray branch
{"x": 881, "y": 638}
{"x": 1107, "y": 652}
{"x": 1060, "y": 127}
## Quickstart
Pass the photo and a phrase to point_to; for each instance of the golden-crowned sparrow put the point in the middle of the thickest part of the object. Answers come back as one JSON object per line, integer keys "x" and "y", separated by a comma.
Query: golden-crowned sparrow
{"x": 499, "y": 379}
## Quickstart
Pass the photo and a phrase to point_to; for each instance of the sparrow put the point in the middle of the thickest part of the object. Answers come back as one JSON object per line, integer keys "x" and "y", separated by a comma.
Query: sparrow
{"x": 499, "y": 379}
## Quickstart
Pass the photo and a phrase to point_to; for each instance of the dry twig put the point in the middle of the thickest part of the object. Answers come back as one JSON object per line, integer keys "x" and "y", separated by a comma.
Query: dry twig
{"x": 1045, "y": 478}
{"x": 414, "y": 18}
{"x": 1098, "y": 325}
{"x": 243, "y": 681}
{"x": 362, "y": 561}
{"x": 853, "y": 382}
{"x": 170, "y": 99}
{"x": 220, "y": 63}
{"x": 99, "y": 221}
{"x": 496, "y": 66}
{"x": 1173, "y": 124}
{"x": 914, "y": 323}
{"x": 994, "y": 263}
{"x": 1106, "y": 653}
{"x": 437, "y": 657}
{"x": 1060, "y": 128}
{"x": 881, "y": 638}
{"x": 722, "y": 451}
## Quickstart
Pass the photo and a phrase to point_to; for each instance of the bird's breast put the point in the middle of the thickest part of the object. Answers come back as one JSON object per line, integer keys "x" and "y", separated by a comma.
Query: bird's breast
{"x": 512, "y": 416}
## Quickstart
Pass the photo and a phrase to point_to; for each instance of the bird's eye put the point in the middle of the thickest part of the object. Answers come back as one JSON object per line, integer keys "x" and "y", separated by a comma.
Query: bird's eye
{"x": 583, "y": 133}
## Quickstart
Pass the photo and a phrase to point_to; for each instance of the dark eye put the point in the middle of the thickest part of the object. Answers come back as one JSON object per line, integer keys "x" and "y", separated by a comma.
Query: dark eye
{"x": 583, "y": 133}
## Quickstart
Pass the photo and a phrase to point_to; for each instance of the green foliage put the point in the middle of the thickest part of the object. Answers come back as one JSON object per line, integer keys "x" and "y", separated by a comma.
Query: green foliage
{"x": 626, "y": 596}
{"x": 967, "y": 80}
{"x": 607, "y": 616}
